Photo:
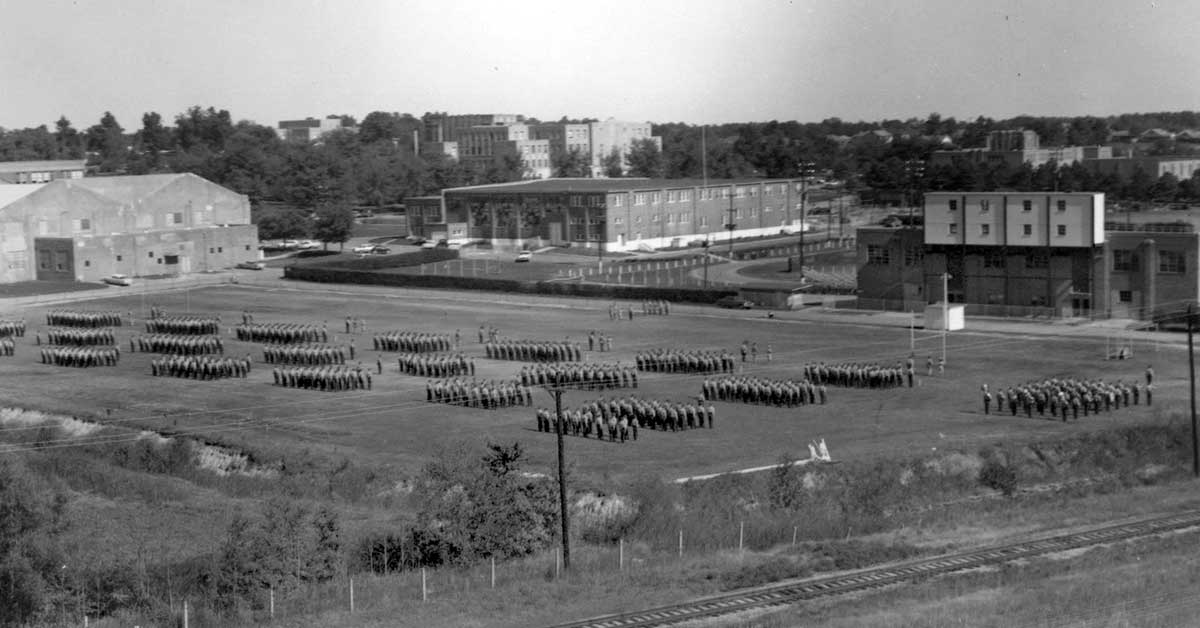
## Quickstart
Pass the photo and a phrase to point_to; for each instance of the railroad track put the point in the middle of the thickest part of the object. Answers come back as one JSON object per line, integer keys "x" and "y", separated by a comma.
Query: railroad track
{"x": 791, "y": 592}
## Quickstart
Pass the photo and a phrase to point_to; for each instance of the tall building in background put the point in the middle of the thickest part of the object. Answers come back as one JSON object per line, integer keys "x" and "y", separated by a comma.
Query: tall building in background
{"x": 310, "y": 129}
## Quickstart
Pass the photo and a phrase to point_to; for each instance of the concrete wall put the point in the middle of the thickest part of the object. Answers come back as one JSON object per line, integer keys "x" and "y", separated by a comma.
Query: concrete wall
{"x": 173, "y": 252}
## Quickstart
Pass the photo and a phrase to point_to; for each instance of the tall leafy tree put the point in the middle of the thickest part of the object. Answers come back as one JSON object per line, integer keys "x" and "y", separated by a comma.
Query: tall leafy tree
{"x": 645, "y": 159}
{"x": 69, "y": 144}
{"x": 107, "y": 140}
{"x": 570, "y": 163}
{"x": 30, "y": 516}
{"x": 207, "y": 127}
{"x": 334, "y": 223}
{"x": 613, "y": 164}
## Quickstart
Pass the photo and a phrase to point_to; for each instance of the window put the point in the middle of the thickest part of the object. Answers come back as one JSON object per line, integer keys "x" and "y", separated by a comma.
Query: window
{"x": 953, "y": 228}
{"x": 118, "y": 258}
{"x": 953, "y": 205}
{"x": 1124, "y": 260}
{"x": 1037, "y": 260}
{"x": 171, "y": 259}
{"x": 654, "y": 218}
{"x": 618, "y": 220}
{"x": 177, "y": 218}
{"x": 87, "y": 263}
{"x": 150, "y": 254}
{"x": 993, "y": 259}
{"x": 984, "y": 205}
{"x": 617, "y": 201}
{"x": 160, "y": 260}
{"x": 220, "y": 249}
{"x": 683, "y": 217}
{"x": 877, "y": 254}
{"x": 1062, "y": 230}
{"x": 595, "y": 201}
{"x": 685, "y": 196}
{"x": 247, "y": 247}
{"x": 639, "y": 198}
{"x": 913, "y": 256}
{"x": 1062, "y": 206}
{"x": 212, "y": 250}
{"x": 704, "y": 221}
{"x": 1125, "y": 296}
{"x": 670, "y": 218}
{"x": 637, "y": 220}
{"x": 656, "y": 197}
{"x": 1171, "y": 262}
{"x": 1027, "y": 206}
{"x": 85, "y": 224}
{"x": 985, "y": 230}
{"x": 1027, "y": 230}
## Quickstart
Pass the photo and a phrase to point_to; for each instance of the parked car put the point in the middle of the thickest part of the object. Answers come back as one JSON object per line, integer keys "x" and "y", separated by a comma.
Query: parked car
{"x": 291, "y": 244}
{"x": 118, "y": 280}
{"x": 364, "y": 248}
{"x": 251, "y": 265}
{"x": 380, "y": 250}
{"x": 524, "y": 256}
{"x": 308, "y": 244}
{"x": 734, "y": 303}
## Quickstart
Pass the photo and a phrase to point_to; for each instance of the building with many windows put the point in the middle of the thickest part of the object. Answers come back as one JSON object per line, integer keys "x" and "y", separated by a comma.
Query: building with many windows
{"x": 615, "y": 214}
{"x": 1030, "y": 253}
{"x": 1016, "y": 147}
{"x": 87, "y": 229}
{"x": 311, "y": 129}
{"x": 41, "y": 171}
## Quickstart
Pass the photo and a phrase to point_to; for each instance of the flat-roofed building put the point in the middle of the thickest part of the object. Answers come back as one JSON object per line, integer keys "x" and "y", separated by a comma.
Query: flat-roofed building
{"x": 44, "y": 171}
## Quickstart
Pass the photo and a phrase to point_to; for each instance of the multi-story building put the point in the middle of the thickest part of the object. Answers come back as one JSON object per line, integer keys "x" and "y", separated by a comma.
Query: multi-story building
{"x": 310, "y": 129}
{"x": 614, "y": 214}
{"x": 1016, "y": 147}
{"x": 41, "y": 171}
{"x": 440, "y": 127}
{"x": 1154, "y": 167}
{"x": 89, "y": 228}
{"x": 482, "y": 144}
{"x": 1030, "y": 253}
{"x": 613, "y": 135}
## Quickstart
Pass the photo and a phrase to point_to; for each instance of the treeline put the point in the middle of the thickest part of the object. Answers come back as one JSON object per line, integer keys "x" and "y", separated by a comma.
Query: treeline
{"x": 378, "y": 166}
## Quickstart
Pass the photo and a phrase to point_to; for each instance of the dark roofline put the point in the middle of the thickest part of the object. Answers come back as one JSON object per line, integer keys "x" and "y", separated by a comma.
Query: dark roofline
{"x": 594, "y": 186}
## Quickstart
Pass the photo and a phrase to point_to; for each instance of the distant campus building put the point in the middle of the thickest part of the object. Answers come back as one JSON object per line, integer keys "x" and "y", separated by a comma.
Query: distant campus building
{"x": 1030, "y": 253}
{"x": 614, "y": 214}
{"x": 311, "y": 129}
{"x": 41, "y": 171}
{"x": 483, "y": 137}
{"x": 85, "y": 229}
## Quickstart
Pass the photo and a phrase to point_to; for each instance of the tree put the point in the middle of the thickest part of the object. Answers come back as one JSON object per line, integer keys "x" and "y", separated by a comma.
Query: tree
{"x": 645, "y": 159}
{"x": 150, "y": 142}
{"x": 207, "y": 127}
{"x": 30, "y": 517}
{"x": 281, "y": 224}
{"x": 67, "y": 140}
{"x": 570, "y": 163}
{"x": 334, "y": 223}
{"x": 612, "y": 164}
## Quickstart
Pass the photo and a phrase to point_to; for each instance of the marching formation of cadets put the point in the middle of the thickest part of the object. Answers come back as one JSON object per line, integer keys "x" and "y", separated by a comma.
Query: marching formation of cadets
{"x": 305, "y": 354}
{"x": 199, "y": 367}
{"x": 1067, "y": 398}
{"x": 533, "y": 351}
{"x": 81, "y": 357}
{"x": 82, "y": 318}
{"x": 685, "y": 361}
{"x": 413, "y": 342}
{"x": 474, "y": 393}
{"x": 422, "y": 365}
{"x": 585, "y": 422}
{"x": 588, "y": 376}
{"x": 189, "y": 325}
{"x": 760, "y": 390}
{"x": 323, "y": 378}
{"x": 855, "y": 375}
{"x": 177, "y": 344}
{"x": 279, "y": 333}
{"x": 651, "y": 414}
{"x": 78, "y": 337}
{"x": 656, "y": 307}
{"x": 12, "y": 328}
{"x": 8, "y": 346}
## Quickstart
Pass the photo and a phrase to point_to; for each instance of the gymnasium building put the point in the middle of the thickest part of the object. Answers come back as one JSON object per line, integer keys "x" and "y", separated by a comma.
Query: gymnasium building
{"x": 85, "y": 229}
{"x": 611, "y": 214}
{"x": 1030, "y": 254}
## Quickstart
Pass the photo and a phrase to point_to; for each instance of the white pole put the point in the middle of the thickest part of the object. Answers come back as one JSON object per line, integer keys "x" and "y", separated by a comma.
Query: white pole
{"x": 493, "y": 572}
{"x": 945, "y": 312}
{"x": 85, "y": 621}
{"x": 185, "y": 614}
{"x": 795, "y": 529}
{"x": 272, "y": 602}
{"x": 424, "y": 591}
{"x": 741, "y": 535}
{"x": 681, "y": 542}
{"x": 620, "y": 554}
{"x": 557, "y": 560}
{"x": 912, "y": 332}
{"x": 351, "y": 595}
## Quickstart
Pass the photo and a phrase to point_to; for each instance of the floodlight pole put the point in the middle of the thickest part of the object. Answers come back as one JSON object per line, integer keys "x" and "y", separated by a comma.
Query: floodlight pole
{"x": 730, "y": 224}
{"x": 706, "y": 263}
{"x": 562, "y": 477}
{"x": 945, "y": 312}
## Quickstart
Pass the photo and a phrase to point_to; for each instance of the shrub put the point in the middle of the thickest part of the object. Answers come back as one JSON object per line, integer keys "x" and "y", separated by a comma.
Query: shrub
{"x": 1000, "y": 476}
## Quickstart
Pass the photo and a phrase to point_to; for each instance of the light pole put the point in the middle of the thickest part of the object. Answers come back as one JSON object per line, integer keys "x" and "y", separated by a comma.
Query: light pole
{"x": 915, "y": 169}
{"x": 557, "y": 391}
{"x": 945, "y": 312}
{"x": 806, "y": 170}
{"x": 706, "y": 263}
{"x": 729, "y": 224}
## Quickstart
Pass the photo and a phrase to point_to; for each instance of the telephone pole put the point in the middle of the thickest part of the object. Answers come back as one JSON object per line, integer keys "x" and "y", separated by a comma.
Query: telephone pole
{"x": 730, "y": 224}
{"x": 557, "y": 391}
{"x": 1191, "y": 317}
{"x": 807, "y": 169}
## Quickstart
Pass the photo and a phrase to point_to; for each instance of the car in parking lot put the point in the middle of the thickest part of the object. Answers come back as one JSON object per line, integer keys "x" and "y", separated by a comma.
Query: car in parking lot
{"x": 734, "y": 303}
{"x": 305, "y": 245}
{"x": 524, "y": 256}
{"x": 119, "y": 280}
{"x": 251, "y": 265}
{"x": 291, "y": 244}
{"x": 380, "y": 250}
{"x": 364, "y": 248}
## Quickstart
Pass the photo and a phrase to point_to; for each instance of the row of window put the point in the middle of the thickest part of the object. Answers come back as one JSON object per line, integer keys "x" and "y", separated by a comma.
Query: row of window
{"x": 986, "y": 229}
{"x": 985, "y": 205}
{"x": 1169, "y": 262}
{"x": 1173, "y": 262}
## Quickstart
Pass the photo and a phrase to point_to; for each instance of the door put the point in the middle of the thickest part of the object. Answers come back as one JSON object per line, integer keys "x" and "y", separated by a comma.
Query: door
{"x": 556, "y": 234}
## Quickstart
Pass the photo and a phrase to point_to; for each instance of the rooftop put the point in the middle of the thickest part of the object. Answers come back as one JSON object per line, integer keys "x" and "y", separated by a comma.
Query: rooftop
{"x": 584, "y": 185}
{"x": 56, "y": 164}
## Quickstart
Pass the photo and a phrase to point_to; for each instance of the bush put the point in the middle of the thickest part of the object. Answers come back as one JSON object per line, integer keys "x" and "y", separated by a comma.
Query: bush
{"x": 999, "y": 476}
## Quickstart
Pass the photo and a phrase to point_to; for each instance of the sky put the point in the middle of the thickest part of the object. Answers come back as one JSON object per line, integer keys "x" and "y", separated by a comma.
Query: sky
{"x": 697, "y": 61}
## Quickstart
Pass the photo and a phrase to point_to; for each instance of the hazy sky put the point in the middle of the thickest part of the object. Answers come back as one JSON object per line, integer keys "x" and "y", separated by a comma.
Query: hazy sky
{"x": 697, "y": 61}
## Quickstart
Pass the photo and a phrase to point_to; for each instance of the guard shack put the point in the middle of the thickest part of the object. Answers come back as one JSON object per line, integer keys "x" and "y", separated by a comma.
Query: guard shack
{"x": 955, "y": 318}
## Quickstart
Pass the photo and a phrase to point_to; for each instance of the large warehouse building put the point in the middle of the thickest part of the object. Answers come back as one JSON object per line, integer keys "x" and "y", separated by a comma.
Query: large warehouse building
{"x": 616, "y": 214}
{"x": 89, "y": 228}
{"x": 1030, "y": 253}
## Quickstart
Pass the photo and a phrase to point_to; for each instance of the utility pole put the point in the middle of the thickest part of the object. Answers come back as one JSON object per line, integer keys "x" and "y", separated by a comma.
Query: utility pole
{"x": 1192, "y": 388}
{"x": 945, "y": 312}
{"x": 557, "y": 391}
{"x": 706, "y": 263}
{"x": 915, "y": 170}
{"x": 806, "y": 170}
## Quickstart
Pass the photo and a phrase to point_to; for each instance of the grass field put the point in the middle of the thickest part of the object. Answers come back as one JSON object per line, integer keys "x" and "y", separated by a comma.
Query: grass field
{"x": 392, "y": 426}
